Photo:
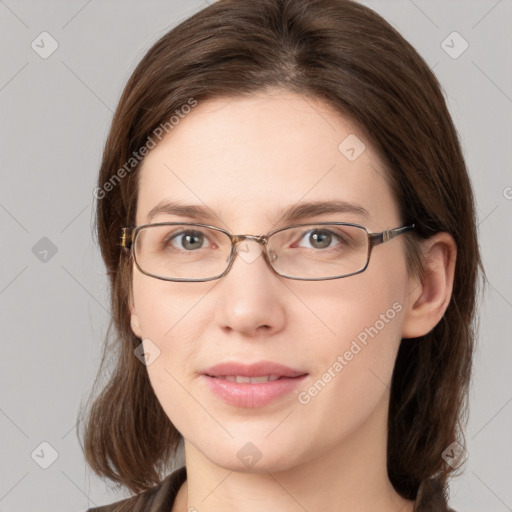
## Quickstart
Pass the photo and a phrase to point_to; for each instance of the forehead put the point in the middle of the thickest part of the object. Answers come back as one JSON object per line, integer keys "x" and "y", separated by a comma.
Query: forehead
{"x": 246, "y": 159}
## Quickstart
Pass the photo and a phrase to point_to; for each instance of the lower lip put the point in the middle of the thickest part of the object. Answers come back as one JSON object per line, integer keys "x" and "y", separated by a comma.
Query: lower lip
{"x": 252, "y": 395}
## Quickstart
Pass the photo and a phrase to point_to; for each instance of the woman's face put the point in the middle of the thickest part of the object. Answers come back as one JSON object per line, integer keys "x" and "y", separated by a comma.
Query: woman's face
{"x": 246, "y": 161}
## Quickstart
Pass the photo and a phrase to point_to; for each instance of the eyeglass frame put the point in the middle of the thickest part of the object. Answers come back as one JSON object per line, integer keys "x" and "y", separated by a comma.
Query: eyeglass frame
{"x": 129, "y": 234}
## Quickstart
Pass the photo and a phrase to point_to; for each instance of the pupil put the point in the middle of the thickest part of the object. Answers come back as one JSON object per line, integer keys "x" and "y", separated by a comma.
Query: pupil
{"x": 190, "y": 239}
{"x": 320, "y": 238}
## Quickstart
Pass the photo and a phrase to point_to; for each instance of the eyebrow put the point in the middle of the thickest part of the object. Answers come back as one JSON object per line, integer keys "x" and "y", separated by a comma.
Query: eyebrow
{"x": 291, "y": 213}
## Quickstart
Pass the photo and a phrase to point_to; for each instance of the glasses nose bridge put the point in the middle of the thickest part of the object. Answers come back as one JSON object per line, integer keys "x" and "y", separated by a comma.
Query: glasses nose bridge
{"x": 262, "y": 240}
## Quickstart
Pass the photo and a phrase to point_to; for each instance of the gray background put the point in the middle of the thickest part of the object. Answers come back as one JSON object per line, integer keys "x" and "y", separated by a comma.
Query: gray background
{"x": 54, "y": 307}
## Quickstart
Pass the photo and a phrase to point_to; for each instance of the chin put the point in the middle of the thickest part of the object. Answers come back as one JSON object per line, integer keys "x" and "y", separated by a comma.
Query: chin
{"x": 258, "y": 455}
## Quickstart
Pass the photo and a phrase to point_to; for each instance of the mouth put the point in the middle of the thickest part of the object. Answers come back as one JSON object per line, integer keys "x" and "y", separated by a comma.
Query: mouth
{"x": 254, "y": 385}
{"x": 239, "y": 372}
{"x": 248, "y": 380}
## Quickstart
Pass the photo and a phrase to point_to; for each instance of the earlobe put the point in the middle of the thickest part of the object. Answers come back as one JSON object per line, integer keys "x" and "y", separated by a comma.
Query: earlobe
{"x": 429, "y": 297}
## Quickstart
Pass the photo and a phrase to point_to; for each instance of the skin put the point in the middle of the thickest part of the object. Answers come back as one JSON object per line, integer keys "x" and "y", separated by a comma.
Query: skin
{"x": 246, "y": 159}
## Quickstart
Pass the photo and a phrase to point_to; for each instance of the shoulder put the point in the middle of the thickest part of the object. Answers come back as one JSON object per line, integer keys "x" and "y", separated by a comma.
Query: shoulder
{"x": 157, "y": 499}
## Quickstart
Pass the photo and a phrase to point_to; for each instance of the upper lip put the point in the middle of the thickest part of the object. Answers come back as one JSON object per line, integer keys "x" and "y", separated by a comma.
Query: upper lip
{"x": 258, "y": 369}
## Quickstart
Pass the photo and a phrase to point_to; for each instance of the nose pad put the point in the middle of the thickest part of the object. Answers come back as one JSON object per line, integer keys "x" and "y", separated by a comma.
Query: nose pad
{"x": 249, "y": 252}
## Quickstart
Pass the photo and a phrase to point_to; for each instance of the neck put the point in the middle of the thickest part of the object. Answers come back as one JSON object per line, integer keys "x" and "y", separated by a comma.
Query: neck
{"x": 350, "y": 476}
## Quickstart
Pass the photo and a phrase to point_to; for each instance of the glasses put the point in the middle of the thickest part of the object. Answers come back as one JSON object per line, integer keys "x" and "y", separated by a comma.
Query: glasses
{"x": 175, "y": 251}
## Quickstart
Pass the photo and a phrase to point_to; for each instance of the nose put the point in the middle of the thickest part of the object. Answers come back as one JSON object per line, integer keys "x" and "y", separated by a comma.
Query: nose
{"x": 250, "y": 296}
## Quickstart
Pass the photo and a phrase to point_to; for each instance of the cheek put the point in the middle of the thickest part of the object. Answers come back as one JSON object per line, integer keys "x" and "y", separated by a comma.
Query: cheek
{"x": 360, "y": 308}
{"x": 355, "y": 356}
{"x": 171, "y": 320}
{"x": 167, "y": 309}
{"x": 151, "y": 305}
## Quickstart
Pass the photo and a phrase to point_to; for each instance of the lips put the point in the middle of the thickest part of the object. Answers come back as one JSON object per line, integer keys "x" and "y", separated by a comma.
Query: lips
{"x": 255, "y": 370}
{"x": 254, "y": 385}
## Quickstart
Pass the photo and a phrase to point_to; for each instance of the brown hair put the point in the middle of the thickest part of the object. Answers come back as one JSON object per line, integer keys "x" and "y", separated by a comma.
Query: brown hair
{"x": 347, "y": 55}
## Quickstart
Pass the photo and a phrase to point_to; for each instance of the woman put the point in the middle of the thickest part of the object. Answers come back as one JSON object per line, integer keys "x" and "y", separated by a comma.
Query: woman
{"x": 324, "y": 366}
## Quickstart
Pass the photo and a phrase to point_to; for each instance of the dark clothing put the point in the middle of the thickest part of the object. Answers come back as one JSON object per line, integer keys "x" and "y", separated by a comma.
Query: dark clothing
{"x": 159, "y": 499}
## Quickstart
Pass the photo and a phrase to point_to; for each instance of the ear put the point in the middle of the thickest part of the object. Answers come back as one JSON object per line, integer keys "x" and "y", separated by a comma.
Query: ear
{"x": 429, "y": 297}
{"x": 134, "y": 319}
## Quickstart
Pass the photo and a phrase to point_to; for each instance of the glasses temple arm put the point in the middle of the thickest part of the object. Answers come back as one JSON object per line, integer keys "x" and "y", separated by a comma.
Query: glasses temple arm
{"x": 126, "y": 238}
{"x": 388, "y": 234}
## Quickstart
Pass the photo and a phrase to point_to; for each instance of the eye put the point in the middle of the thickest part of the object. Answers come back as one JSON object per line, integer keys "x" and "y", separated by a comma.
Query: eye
{"x": 321, "y": 238}
{"x": 188, "y": 240}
